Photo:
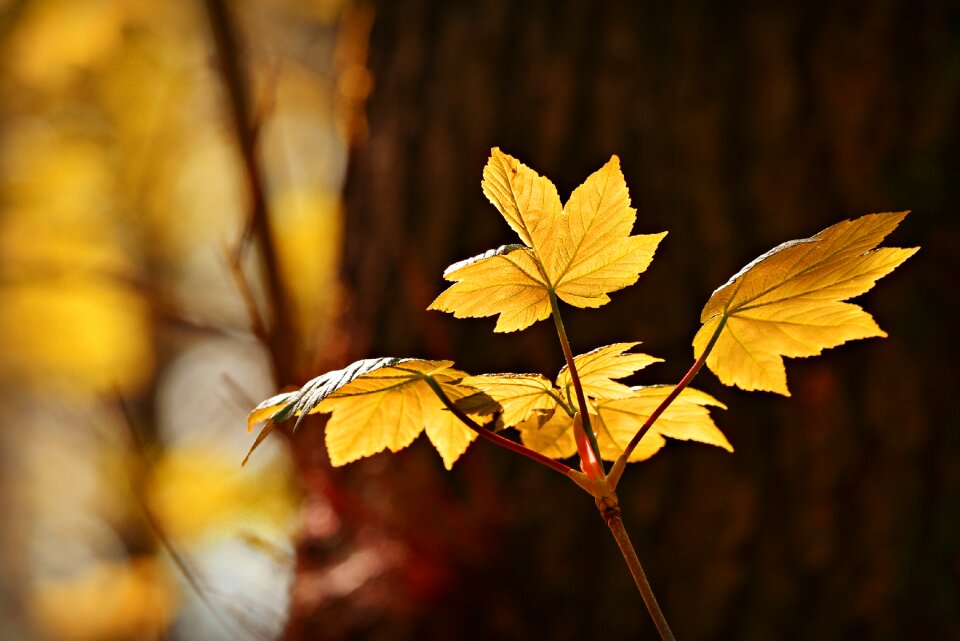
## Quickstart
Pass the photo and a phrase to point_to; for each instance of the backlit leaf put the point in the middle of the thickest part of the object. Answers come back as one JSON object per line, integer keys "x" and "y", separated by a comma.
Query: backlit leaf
{"x": 617, "y": 420}
{"x": 305, "y": 401}
{"x": 449, "y": 436}
{"x": 377, "y": 404}
{"x": 789, "y": 302}
{"x": 686, "y": 419}
{"x": 554, "y": 438}
{"x": 596, "y": 254}
{"x": 581, "y": 252}
{"x": 478, "y": 403}
{"x": 528, "y": 201}
{"x": 519, "y": 395}
{"x": 598, "y": 369}
{"x": 504, "y": 281}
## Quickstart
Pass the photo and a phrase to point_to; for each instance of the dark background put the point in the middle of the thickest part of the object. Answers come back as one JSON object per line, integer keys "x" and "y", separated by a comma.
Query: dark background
{"x": 738, "y": 127}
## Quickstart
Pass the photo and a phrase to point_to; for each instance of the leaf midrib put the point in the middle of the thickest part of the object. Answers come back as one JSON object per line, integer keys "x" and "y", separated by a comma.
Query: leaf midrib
{"x": 602, "y": 192}
{"x": 813, "y": 291}
{"x": 800, "y": 273}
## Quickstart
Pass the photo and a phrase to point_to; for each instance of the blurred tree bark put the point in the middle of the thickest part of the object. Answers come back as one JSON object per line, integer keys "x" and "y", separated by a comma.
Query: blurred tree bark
{"x": 738, "y": 129}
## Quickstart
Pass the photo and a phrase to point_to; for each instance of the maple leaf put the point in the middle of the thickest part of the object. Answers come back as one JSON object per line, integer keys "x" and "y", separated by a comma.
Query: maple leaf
{"x": 617, "y": 420}
{"x": 518, "y": 395}
{"x": 505, "y": 281}
{"x": 686, "y": 419}
{"x": 281, "y": 407}
{"x": 553, "y": 437}
{"x": 449, "y": 436}
{"x": 580, "y": 252}
{"x": 377, "y": 404}
{"x": 790, "y": 302}
{"x": 598, "y": 368}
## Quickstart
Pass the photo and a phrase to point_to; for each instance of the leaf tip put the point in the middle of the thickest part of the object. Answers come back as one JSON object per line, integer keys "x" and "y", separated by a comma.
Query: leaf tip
{"x": 267, "y": 428}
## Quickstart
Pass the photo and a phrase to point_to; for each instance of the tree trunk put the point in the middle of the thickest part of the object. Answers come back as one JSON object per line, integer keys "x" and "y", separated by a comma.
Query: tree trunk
{"x": 737, "y": 130}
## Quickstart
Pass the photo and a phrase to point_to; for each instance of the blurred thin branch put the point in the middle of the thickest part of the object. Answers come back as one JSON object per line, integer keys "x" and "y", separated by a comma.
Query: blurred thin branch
{"x": 281, "y": 337}
{"x": 186, "y": 567}
{"x": 9, "y": 15}
{"x": 257, "y": 324}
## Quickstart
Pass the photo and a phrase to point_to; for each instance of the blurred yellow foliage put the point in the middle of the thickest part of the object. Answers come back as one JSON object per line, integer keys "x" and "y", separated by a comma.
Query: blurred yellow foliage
{"x": 307, "y": 226}
{"x": 66, "y": 316}
{"x": 84, "y": 336}
{"x": 122, "y": 198}
{"x": 60, "y": 177}
{"x": 208, "y": 197}
{"x": 129, "y": 600}
{"x": 57, "y": 38}
{"x": 197, "y": 492}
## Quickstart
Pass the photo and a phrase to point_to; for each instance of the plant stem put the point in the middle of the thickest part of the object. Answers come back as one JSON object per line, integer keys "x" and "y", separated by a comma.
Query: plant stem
{"x": 689, "y": 376}
{"x": 493, "y": 437}
{"x": 611, "y": 515}
{"x": 561, "y": 403}
{"x": 571, "y": 366}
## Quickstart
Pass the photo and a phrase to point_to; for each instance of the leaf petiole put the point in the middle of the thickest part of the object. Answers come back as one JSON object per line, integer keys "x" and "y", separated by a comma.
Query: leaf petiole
{"x": 493, "y": 437}
{"x": 572, "y": 368}
{"x": 617, "y": 470}
{"x": 563, "y": 404}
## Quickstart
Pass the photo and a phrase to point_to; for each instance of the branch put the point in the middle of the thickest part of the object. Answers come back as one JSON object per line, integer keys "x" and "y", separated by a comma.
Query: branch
{"x": 281, "y": 338}
{"x": 611, "y": 516}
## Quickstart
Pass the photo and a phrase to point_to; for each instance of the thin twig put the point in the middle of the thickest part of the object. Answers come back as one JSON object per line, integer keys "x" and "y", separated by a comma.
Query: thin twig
{"x": 178, "y": 558}
{"x": 611, "y": 515}
{"x": 257, "y": 325}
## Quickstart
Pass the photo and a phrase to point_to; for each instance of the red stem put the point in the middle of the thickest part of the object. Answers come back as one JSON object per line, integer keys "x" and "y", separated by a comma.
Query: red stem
{"x": 689, "y": 376}
{"x": 493, "y": 437}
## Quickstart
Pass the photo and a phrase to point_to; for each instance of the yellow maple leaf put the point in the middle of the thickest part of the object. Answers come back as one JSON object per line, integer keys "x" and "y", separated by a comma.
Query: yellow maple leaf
{"x": 527, "y": 401}
{"x": 598, "y": 368}
{"x": 595, "y": 253}
{"x": 686, "y": 419}
{"x": 580, "y": 252}
{"x": 519, "y": 395}
{"x": 449, "y": 436}
{"x": 790, "y": 302}
{"x": 528, "y": 201}
{"x": 553, "y": 438}
{"x": 505, "y": 281}
{"x": 617, "y": 420}
{"x": 375, "y": 405}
